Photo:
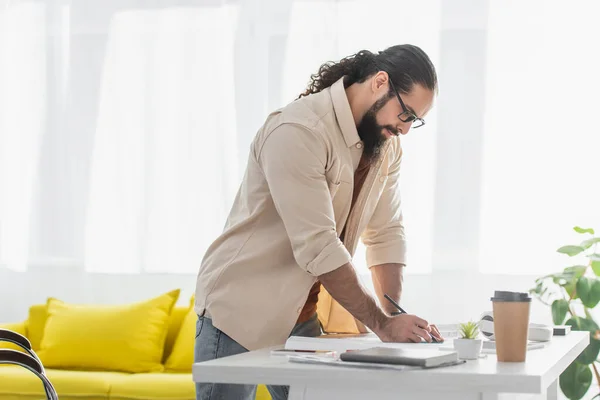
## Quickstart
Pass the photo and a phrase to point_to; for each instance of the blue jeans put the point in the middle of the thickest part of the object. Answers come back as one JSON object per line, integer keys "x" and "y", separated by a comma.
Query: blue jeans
{"x": 211, "y": 343}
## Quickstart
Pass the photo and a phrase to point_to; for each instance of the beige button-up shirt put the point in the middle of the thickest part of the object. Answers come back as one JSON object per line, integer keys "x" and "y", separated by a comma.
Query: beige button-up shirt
{"x": 284, "y": 227}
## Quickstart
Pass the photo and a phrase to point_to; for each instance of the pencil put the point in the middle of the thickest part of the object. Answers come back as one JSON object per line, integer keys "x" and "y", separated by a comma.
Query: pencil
{"x": 434, "y": 340}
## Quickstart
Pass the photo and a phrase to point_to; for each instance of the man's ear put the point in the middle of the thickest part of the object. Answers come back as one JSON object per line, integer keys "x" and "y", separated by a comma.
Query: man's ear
{"x": 379, "y": 82}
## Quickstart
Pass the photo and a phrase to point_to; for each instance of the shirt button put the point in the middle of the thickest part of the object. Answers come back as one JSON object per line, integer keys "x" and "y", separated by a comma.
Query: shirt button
{"x": 359, "y": 145}
{"x": 382, "y": 179}
{"x": 299, "y": 310}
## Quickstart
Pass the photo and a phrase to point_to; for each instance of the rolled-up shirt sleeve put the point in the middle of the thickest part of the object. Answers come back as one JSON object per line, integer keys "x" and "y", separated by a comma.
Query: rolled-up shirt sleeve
{"x": 384, "y": 236}
{"x": 293, "y": 160}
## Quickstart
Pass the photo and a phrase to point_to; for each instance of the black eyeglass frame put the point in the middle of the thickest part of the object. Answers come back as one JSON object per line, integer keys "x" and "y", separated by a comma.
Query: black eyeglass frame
{"x": 409, "y": 116}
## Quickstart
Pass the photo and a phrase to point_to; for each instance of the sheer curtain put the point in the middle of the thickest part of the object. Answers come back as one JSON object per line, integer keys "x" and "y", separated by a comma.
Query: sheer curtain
{"x": 541, "y": 136}
{"x": 164, "y": 158}
{"x": 23, "y": 82}
{"x": 126, "y": 126}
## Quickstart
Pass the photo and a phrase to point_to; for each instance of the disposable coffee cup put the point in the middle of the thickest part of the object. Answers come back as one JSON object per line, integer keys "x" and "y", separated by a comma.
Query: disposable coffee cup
{"x": 511, "y": 325}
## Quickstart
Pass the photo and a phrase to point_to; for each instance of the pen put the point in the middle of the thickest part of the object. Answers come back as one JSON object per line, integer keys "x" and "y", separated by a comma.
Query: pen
{"x": 404, "y": 312}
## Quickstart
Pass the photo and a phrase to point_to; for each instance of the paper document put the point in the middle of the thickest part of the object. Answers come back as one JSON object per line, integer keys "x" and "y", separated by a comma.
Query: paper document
{"x": 336, "y": 362}
{"x": 342, "y": 343}
{"x": 489, "y": 346}
{"x": 339, "y": 363}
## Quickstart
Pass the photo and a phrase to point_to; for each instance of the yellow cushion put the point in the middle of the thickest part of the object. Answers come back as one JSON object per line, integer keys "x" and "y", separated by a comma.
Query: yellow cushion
{"x": 177, "y": 316}
{"x": 35, "y": 324}
{"x": 128, "y": 338}
{"x": 15, "y": 327}
{"x": 38, "y": 315}
{"x": 261, "y": 393}
{"x": 17, "y": 382}
{"x": 170, "y": 386}
{"x": 182, "y": 355}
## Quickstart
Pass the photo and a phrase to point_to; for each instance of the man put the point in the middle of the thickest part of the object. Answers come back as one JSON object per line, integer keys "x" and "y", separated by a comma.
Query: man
{"x": 322, "y": 172}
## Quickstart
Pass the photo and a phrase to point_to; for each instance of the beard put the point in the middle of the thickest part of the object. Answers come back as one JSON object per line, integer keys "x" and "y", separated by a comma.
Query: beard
{"x": 371, "y": 133}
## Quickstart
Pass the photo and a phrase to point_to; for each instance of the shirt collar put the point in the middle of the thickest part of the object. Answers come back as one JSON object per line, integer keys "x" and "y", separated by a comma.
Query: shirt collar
{"x": 344, "y": 113}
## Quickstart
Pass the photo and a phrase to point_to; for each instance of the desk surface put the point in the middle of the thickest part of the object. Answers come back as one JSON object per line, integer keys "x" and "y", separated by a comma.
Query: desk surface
{"x": 543, "y": 367}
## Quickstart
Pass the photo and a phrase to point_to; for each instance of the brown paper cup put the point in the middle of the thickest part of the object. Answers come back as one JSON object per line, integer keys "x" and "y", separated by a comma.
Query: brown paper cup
{"x": 511, "y": 325}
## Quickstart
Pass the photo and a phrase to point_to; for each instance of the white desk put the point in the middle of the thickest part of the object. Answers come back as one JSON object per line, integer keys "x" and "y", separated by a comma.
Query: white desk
{"x": 483, "y": 379}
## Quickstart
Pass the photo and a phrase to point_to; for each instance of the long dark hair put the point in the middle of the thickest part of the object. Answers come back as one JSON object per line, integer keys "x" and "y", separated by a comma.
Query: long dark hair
{"x": 405, "y": 64}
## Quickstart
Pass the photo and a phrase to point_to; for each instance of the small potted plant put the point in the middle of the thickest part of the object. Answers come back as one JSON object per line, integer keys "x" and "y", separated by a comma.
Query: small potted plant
{"x": 469, "y": 344}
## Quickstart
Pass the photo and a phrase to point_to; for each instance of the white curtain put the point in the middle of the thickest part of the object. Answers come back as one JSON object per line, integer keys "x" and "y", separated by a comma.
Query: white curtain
{"x": 164, "y": 153}
{"x": 23, "y": 97}
{"x": 542, "y": 140}
{"x": 125, "y": 124}
{"x": 126, "y": 127}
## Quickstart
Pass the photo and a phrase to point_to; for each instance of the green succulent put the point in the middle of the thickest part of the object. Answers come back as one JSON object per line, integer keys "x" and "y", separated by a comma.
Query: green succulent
{"x": 469, "y": 330}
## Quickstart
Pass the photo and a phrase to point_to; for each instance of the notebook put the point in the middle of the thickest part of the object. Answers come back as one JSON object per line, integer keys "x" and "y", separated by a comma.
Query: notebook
{"x": 418, "y": 357}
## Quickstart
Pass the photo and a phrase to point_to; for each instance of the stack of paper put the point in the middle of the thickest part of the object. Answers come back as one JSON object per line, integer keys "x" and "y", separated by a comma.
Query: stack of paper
{"x": 342, "y": 343}
{"x": 491, "y": 345}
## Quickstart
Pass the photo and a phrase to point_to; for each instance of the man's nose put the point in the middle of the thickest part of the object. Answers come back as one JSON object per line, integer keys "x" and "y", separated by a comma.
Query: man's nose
{"x": 404, "y": 127}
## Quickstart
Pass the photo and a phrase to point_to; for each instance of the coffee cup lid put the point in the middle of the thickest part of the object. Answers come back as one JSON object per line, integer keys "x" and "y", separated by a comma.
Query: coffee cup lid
{"x": 501, "y": 295}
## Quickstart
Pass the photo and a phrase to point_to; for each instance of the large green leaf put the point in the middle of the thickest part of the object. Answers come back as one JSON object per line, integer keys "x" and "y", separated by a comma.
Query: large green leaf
{"x": 596, "y": 267}
{"x": 588, "y": 290}
{"x": 568, "y": 278}
{"x": 568, "y": 274}
{"x": 586, "y": 244}
{"x": 570, "y": 288}
{"x": 575, "y": 271}
{"x": 583, "y": 230}
{"x": 590, "y": 354}
{"x": 559, "y": 311}
{"x": 575, "y": 381}
{"x": 591, "y": 351}
{"x": 583, "y": 324}
{"x": 571, "y": 250}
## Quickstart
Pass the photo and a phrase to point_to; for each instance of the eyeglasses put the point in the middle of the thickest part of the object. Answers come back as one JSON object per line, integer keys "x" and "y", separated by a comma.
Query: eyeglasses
{"x": 407, "y": 115}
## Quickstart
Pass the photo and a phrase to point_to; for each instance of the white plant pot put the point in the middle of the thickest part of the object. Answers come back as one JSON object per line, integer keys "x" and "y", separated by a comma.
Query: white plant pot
{"x": 468, "y": 349}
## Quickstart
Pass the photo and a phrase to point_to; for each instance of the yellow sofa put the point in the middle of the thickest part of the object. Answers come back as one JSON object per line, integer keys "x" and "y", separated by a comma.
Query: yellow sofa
{"x": 16, "y": 383}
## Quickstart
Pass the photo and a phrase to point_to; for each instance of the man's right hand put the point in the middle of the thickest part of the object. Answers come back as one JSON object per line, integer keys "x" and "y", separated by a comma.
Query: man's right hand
{"x": 344, "y": 286}
{"x": 404, "y": 328}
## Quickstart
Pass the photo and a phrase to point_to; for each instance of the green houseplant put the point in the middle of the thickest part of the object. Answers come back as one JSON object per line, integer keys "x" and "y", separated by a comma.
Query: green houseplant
{"x": 469, "y": 344}
{"x": 572, "y": 294}
{"x": 469, "y": 330}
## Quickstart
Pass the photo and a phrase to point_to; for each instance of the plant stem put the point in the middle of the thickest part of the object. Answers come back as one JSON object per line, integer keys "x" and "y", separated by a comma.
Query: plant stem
{"x": 596, "y": 373}
{"x": 569, "y": 301}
